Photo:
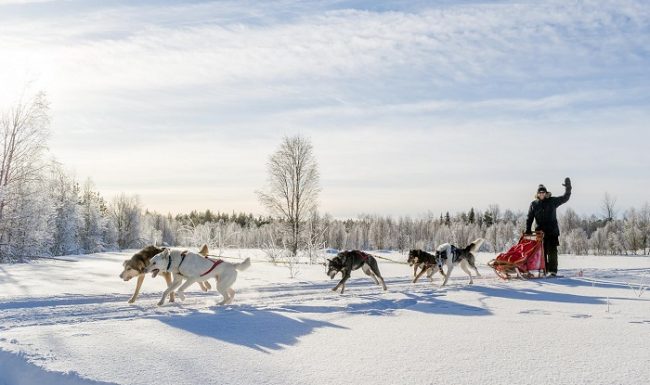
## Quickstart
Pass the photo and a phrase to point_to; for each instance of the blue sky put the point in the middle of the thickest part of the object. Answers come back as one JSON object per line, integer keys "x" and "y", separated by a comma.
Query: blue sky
{"x": 411, "y": 106}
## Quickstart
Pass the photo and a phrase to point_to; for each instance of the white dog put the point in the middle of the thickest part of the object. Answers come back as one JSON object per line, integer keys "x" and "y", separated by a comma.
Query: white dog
{"x": 451, "y": 256}
{"x": 196, "y": 268}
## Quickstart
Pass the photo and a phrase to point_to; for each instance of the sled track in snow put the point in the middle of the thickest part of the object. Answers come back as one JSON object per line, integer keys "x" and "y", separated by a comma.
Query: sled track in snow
{"x": 75, "y": 308}
{"x": 360, "y": 295}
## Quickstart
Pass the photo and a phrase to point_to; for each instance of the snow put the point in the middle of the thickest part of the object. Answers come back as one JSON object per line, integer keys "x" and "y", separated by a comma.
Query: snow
{"x": 67, "y": 322}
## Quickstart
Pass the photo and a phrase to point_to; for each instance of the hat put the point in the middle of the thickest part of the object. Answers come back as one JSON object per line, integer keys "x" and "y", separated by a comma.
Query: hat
{"x": 541, "y": 188}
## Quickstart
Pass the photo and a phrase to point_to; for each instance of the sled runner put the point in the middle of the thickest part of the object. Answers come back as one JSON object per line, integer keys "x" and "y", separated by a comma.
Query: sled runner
{"x": 523, "y": 259}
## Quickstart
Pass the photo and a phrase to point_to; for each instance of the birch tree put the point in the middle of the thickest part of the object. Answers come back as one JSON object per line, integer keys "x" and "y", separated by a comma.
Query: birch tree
{"x": 293, "y": 186}
{"x": 23, "y": 134}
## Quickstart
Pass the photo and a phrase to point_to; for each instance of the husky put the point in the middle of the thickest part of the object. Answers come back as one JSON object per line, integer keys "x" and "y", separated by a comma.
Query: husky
{"x": 346, "y": 261}
{"x": 428, "y": 262}
{"x": 195, "y": 268}
{"x": 452, "y": 256}
{"x": 134, "y": 267}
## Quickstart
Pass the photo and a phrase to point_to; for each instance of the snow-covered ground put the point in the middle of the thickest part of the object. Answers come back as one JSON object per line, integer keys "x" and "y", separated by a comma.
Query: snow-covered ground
{"x": 69, "y": 323}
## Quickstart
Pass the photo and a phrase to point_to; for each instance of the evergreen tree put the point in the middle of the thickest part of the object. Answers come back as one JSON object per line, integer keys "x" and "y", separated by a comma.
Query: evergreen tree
{"x": 471, "y": 217}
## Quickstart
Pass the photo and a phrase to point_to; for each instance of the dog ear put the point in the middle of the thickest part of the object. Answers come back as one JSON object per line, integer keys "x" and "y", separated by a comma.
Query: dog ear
{"x": 125, "y": 262}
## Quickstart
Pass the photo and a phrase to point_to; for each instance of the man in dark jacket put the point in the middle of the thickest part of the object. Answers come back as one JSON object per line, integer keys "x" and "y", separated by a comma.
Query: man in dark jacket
{"x": 542, "y": 210}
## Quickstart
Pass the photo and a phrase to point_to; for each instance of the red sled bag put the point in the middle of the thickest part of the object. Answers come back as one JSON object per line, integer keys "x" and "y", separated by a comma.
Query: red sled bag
{"x": 522, "y": 259}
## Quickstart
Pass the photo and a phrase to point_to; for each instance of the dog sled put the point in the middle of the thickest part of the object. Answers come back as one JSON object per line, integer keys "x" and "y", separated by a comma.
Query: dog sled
{"x": 523, "y": 259}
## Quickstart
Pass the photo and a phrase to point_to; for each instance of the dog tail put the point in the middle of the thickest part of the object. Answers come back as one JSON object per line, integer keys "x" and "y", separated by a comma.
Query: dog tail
{"x": 474, "y": 246}
{"x": 204, "y": 250}
{"x": 244, "y": 265}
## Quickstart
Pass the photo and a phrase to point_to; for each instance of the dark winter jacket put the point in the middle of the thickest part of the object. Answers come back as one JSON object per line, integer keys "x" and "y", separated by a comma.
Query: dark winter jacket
{"x": 543, "y": 212}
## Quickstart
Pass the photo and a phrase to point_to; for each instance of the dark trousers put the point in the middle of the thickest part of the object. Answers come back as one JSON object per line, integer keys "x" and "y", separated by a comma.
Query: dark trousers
{"x": 550, "y": 253}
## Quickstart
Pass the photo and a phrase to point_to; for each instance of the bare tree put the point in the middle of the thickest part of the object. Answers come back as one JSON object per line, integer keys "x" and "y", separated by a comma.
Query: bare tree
{"x": 316, "y": 228}
{"x": 293, "y": 186}
{"x": 608, "y": 207}
{"x": 127, "y": 216}
{"x": 23, "y": 134}
{"x": 495, "y": 212}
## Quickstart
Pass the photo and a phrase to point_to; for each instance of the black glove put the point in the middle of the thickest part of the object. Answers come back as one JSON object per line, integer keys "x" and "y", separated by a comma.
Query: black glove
{"x": 567, "y": 183}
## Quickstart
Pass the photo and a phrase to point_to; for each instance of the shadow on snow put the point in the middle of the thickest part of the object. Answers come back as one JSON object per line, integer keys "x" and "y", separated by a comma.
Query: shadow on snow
{"x": 258, "y": 329}
{"x": 527, "y": 294}
{"x": 16, "y": 370}
{"x": 427, "y": 302}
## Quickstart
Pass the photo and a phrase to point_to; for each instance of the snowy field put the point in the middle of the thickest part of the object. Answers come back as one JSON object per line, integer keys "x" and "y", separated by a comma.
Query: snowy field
{"x": 67, "y": 322}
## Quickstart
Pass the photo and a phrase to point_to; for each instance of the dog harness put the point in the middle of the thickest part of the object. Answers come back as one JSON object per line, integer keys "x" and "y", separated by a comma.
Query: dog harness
{"x": 215, "y": 263}
{"x": 169, "y": 263}
{"x": 455, "y": 252}
{"x": 362, "y": 255}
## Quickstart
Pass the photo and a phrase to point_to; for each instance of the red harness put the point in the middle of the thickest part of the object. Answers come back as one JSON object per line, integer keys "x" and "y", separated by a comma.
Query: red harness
{"x": 214, "y": 264}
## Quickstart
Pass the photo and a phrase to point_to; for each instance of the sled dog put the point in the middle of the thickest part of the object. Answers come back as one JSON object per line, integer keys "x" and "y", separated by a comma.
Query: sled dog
{"x": 428, "y": 262}
{"x": 452, "y": 256}
{"x": 346, "y": 261}
{"x": 135, "y": 266}
{"x": 195, "y": 268}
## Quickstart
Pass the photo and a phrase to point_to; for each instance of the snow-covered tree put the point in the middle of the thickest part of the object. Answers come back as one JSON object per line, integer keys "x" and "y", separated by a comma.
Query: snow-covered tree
{"x": 126, "y": 215}
{"x": 29, "y": 222}
{"x": 615, "y": 241}
{"x": 644, "y": 224}
{"x": 315, "y": 231}
{"x": 598, "y": 241}
{"x": 94, "y": 221}
{"x": 68, "y": 221}
{"x": 568, "y": 221}
{"x": 23, "y": 133}
{"x": 577, "y": 242}
{"x": 633, "y": 234}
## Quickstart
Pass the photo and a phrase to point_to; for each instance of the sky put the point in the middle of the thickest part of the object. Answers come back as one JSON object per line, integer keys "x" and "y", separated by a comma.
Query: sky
{"x": 411, "y": 106}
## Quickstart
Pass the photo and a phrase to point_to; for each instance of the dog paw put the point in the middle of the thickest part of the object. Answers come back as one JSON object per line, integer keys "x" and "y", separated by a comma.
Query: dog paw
{"x": 180, "y": 296}
{"x": 160, "y": 303}
{"x": 131, "y": 300}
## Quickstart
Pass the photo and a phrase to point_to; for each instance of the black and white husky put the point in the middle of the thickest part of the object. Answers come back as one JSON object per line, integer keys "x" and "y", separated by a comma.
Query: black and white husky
{"x": 346, "y": 261}
{"x": 196, "y": 268}
{"x": 451, "y": 256}
{"x": 427, "y": 262}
